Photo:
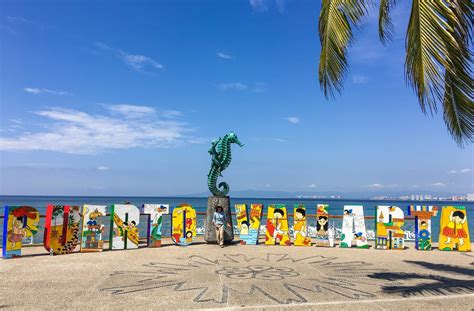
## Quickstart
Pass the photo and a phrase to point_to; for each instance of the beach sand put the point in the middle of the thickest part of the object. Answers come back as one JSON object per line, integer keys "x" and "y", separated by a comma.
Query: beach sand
{"x": 239, "y": 276}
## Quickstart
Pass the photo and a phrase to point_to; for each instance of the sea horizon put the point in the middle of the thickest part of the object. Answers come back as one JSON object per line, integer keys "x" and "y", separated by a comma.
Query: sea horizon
{"x": 239, "y": 197}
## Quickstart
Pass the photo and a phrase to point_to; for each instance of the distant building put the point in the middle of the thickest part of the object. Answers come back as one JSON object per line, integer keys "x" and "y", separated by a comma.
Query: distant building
{"x": 470, "y": 197}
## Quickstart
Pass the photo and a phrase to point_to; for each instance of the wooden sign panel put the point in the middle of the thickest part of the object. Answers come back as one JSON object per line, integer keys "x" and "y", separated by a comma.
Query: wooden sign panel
{"x": 454, "y": 229}
{"x": 322, "y": 225}
{"x": 423, "y": 216}
{"x": 277, "y": 226}
{"x": 124, "y": 220}
{"x": 242, "y": 222}
{"x": 353, "y": 227}
{"x": 155, "y": 224}
{"x": 19, "y": 222}
{"x": 61, "y": 229}
{"x": 388, "y": 227}
{"x": 183, "y": 224}
{"x": 249, "y": 226}
{"x": 300, "y": 230}
{"x": 93, "y": 228}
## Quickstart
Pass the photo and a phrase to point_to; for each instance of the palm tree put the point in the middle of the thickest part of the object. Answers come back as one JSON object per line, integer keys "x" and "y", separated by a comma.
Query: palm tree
{"x": 438, "y": 64}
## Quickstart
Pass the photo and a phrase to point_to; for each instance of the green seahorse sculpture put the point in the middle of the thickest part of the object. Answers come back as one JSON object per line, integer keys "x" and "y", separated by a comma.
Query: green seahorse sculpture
{"x": 221, "y": 156}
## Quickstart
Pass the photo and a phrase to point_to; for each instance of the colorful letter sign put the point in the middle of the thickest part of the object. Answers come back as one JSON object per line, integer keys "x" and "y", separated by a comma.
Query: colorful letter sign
{"x": 242, "y": 222}
{"x": 155, "y": 223}
{"x": 353, "y": 227}
{"x": 322, "y": 225}
{"x": 388, "y": 232}
{"x": 183, "y": 224}
{"x": 92, "y": 228}
{"x": 248, "y": 226}
{"x": 423, "y": 216}
{"x": 124, "y": 220}
{"x": 61, "y": 229}
{"x": 300, "y": 232}
{"x": 20, "y": 222}
{"x": 454, "y": 230}
{"x": 277, "y": 226}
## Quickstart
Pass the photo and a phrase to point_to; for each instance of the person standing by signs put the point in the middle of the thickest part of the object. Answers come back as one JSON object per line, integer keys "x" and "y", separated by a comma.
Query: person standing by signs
{"x": 220, "y": 220}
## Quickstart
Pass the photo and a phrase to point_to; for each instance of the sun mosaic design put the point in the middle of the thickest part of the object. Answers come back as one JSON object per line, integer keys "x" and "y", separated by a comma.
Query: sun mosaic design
{"x": 274, "y": 278}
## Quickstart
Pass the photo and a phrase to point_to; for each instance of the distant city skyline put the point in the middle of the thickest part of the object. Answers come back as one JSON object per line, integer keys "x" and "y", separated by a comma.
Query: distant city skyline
{"x": 127, "y": 100}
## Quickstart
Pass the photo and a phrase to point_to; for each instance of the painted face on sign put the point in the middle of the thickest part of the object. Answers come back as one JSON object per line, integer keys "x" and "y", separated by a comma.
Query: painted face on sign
{"x": 458, "y": 217}
{"x": 300, "y": 214}
{"x": 278, "y": 213}
{"x": 322, "y": 220}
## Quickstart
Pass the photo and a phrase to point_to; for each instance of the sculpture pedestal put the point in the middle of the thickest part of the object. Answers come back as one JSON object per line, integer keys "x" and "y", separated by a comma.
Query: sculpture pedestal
{"x": 210, "y": 235}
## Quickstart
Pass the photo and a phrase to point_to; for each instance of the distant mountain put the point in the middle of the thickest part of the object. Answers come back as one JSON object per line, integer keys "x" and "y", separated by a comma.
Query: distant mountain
{"x": 248, "y": 194}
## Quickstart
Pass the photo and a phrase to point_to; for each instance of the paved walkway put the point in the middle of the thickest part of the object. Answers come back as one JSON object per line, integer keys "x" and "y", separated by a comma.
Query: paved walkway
{"x": 253, "y": 277}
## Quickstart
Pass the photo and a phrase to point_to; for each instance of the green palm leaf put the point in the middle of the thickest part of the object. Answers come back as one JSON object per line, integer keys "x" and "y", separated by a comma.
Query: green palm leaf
{"x": 335, "y": 21}
{"x": 385, "y": 20}
{"x": 458, "y": 106}
{"x": 438, "y": 62}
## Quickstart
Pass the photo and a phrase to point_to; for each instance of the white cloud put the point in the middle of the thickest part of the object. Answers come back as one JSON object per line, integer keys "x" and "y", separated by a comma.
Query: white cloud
{"x": 375, "y": 186}
{"x": 171, "y": 113}
{"x": 280, "y": 140}
{"x": 268, "y": 185}
{"x": 77, "y": 132}
{"x": 359, "y": 79}
{"x": 139, "y": 62}
{"x": 102, "y": 168}
{"x": 259, "y": 5}
{"x": 136, "y": 62}
{"x": 259, "y": 87}
{"x": 264, "y": 5}
{"x": 461, "y": 171}
{"x": 238, "y": 86}
{"x": 280, "y": 4}
{"x": 294, "y": 120}
{"x": 256, "y": 87}
{"x": 312, "y": 186}
{"x": 438, "y": 184}
{"x": 35, "y": 90}
{"x": 134, "y": 111}
{"x": 13, "y": 23}
{"x": 21, "y": 20}
{"x": 224, "y": 55}
{"x": 131, "y": 111}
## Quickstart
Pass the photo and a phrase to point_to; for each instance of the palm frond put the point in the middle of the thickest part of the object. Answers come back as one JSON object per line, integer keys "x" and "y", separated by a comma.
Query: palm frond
{"x": 438, "y": 62}
{"x": 385, "y": 20}
{"x": 426, "y": 44}
{"x": 336, "y": 20}
{"x": 458, "y": 110}
{"x": 458, "y": 106}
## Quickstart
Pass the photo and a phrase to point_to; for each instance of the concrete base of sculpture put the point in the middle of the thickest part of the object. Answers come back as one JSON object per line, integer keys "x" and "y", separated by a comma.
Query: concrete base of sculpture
{"x": 210, "y": 235}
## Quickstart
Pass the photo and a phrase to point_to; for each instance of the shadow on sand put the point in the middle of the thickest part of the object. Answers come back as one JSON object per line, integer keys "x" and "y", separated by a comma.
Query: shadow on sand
{"x": 429, "y": 282}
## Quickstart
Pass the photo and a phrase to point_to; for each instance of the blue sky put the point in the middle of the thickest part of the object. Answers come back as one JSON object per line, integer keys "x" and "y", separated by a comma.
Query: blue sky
{"x": 123, "y": 98}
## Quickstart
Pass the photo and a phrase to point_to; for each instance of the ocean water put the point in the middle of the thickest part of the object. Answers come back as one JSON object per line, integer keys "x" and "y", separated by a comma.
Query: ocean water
{"x": 335, "y": 208}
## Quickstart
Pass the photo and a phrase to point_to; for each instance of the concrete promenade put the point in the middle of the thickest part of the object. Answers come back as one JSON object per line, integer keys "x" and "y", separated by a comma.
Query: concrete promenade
{"x": 251, "y": 277}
